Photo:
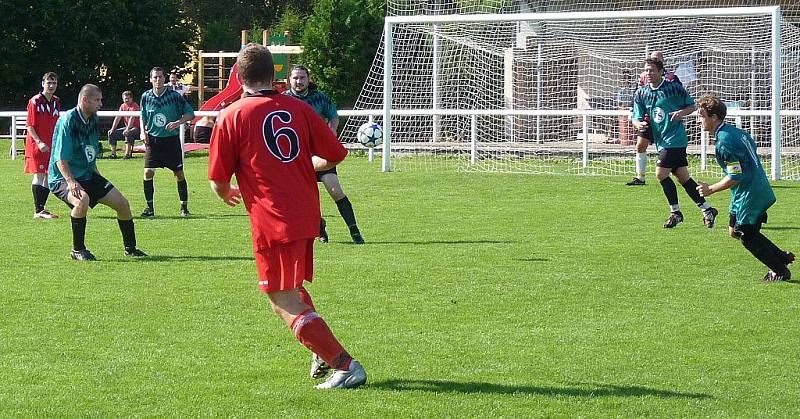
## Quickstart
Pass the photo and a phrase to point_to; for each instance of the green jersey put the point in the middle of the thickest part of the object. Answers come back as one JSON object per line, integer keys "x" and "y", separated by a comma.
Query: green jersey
{"x": 736, "y": 154}
{"x": 658, "y": 103}
{"x": 77, "y": 140}
{"x": 321, "y": 102}
{"x": 159, "y": 110}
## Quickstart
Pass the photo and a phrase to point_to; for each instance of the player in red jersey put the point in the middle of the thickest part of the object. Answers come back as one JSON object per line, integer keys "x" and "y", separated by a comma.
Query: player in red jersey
{"x": 43, "y": 111}
{"x": 644, "y": 136}
{"x": 273, "y": 143}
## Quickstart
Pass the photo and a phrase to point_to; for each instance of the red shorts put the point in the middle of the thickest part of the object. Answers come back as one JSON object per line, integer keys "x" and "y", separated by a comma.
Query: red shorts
{"x": 285, "y": 266}
{"x": 35, "y": 160}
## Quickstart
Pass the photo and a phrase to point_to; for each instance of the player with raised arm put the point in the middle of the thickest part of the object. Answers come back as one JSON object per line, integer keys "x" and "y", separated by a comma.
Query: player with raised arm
{"x": 273, "y": 143}
{"x": 666, "y": 103}
{"x": 43, "y": 110}
{"x": 751, "y": 193}
{"x": 645, "y": 136}
{"x": 74, "y": 178}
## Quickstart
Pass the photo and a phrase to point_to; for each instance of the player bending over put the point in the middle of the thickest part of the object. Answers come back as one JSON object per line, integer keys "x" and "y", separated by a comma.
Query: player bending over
{"x": 751, "y": 193}
{"x": 267, "y": 140}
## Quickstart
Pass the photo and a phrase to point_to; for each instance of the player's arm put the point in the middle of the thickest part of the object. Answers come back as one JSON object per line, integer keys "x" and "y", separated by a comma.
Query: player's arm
{"x": 638, "y": 112}
{"x": 72, "y": 184}
{"x": 707, "y": 190}
{"x": 321, "y": 164}
{"x": 733, "y": 171}
{"x": 142, "y": 126}
{"x": 679, "y": 114}
{"x": 39, "y": 143}
{"x": 333, "y": 124}
{"x": 226, "y": 192}
{"x": 114, "y": 124}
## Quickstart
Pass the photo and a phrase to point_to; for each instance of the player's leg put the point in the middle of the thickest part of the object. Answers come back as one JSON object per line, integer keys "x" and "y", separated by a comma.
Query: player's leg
{"x": 149, "y": 191}
{"x": 79, "y": 208}
{"x": 763, "y": 249}
{"x": 116, "y": 201}
{"x": 323, "y": 232}
{"x": 183, "y": 192}
{"x": 282, "y": 270}
{"x": 334, "y": 188}
{"x": 690, "y": 186}
{"x": 40, "y": 193}
{"x": 663, "y": 170}
{"x": 642, "y": 141}
{"x": 113, "y": 139}
{"x": 130, "y": 140}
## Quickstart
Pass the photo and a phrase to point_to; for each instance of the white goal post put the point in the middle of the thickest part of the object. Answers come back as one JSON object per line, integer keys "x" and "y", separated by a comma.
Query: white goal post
{"x": 535, "y": 92}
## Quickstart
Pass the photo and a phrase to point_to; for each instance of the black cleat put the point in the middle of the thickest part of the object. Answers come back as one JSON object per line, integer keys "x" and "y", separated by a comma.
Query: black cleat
{"x": 148, "y": 213}
{"x": 185, "y": 213}
{"x": 773, "y": 277}
{"x": 136, "y": 253}
{"x": 323, "y": 234}
{"x": 788, "y": 257}
{"x": 357, "y": 239}
{"x": 84, "y": 254}
{"x": 673, "y": 220}
{"x": 709, "y": 217}
{"x": 635, "y": 182}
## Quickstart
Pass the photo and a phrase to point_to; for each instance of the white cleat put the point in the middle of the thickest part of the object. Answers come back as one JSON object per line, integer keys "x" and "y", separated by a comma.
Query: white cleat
{"x": 349, "y": 378}
{"x": 319, "y": 368}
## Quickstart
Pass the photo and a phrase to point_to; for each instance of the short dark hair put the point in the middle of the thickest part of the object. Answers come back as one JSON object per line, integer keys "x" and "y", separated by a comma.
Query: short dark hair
{"x": 713, "y": 106}
{"x": 659, "y": 65}
{"x": 50, "y": 76}
{"x": 156, "y": 69}
{"x": 300, "y": 67}
{"x": 127, "y": 93}
{"x": 255, "y": 65}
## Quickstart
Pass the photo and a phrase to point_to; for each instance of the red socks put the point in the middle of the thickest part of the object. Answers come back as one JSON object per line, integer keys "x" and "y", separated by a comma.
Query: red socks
{"x": 314, "y": 334}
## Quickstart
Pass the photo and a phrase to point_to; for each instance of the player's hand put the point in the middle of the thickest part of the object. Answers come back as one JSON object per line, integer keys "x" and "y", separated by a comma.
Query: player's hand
{"x": 675, "y": 116}
{"x": 143, "y": 137}
{"x": 42, "y": 147}
{"x": 233, "y": 197}
{"x": 172, "y": 126}
{"x": 111, "y": 131}
{"x": 703, "y": 189}
{"x": 75, "y": 189}
{"x": 642, "y": 125}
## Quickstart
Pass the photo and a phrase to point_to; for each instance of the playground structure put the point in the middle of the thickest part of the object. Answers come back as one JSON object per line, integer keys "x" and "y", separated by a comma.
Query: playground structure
{"x": 229, "y": 88}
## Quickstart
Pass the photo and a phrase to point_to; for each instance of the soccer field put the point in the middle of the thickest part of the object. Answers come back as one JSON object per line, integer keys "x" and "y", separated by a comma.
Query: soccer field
{"x": 476, "y": 295}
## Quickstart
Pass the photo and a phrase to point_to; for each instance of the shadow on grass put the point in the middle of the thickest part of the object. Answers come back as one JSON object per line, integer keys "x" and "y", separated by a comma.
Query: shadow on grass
{"x": 432, "y": 242}
{"x": 532, "y": 260}
{"x": 785, "y": 186}
{"x": 587, "y": 390}
{"x": 175, "y": 217}
{"x": 196, "y": 258}
{"x": 767, "y": 227}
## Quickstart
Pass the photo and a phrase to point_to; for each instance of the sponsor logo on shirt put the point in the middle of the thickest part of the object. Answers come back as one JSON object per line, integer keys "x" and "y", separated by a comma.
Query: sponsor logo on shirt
{"x": 160, "y": 120}
{"x": 90, "y": 153}
{"x": 659, "y": 115}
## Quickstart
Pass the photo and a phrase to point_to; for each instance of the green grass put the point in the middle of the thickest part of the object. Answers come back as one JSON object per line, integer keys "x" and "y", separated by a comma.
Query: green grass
{"x": 476, "y": 295}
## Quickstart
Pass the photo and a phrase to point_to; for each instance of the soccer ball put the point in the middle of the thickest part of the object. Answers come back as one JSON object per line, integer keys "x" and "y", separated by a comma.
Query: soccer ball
{"x": 370, "y": 134}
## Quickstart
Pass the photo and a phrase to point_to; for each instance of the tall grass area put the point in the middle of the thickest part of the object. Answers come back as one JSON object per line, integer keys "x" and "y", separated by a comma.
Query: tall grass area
{"x": 476, "y": 295}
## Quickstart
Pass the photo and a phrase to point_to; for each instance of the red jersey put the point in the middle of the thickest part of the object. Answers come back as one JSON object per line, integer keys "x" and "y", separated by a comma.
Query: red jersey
{"x": 133, "y": 107}
{"x": 267, "y": 141}
{"x": 42, "y": 116}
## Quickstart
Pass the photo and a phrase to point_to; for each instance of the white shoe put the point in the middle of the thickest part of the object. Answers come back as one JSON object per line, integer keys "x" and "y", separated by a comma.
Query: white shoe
{"x": 44, "y": 214}
{"x": 319, "y": 368}
{"x": 349, "y": 378}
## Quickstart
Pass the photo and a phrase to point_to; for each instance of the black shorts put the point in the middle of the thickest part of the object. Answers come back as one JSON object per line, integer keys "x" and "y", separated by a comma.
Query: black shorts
{"x": 672, "y": 158}
{"x": 732, "y": 221}
{"x": 646, "y": 133}
{"x": 325, "y": 172}
{"x": 163, "y": 152}
{"x": 202, "y": 134}
{"x": 96, "y": 187}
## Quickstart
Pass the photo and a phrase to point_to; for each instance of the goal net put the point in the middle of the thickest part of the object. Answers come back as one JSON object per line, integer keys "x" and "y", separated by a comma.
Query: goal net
{"x": 551, "y": 92}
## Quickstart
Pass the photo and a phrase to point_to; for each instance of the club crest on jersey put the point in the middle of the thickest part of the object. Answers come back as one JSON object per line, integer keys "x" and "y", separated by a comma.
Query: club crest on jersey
{"x": 659, "y": 115}
{"x": 734, "y": 168}
{"x": 159, "y": 120}
{"x": 90, "y": 152}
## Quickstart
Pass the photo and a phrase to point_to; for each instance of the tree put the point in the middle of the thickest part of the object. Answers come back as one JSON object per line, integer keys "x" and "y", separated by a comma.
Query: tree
{"x": 111, "y": 43}
{"x": 340, "y": 41}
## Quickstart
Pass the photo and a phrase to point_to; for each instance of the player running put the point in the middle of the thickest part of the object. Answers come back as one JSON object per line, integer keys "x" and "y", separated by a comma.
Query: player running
{"x": 751, "y": 193}
{"x": 666, "y": 103}
{"x": 267, "y": 140}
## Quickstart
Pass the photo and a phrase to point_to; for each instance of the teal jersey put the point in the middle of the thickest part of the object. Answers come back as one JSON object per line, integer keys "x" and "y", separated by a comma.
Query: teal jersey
{"x": 77, "y": 140}
{"x": 159, "y": 110}
{"x": 736, "y": 154}
{"x": 658, "y": 103}
{"x": 321, "y": 102}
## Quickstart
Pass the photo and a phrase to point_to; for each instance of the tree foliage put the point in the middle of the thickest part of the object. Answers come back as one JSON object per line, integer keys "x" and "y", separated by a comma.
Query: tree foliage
{"x": 340, "y": 40}
{"x": 111, "y": 43}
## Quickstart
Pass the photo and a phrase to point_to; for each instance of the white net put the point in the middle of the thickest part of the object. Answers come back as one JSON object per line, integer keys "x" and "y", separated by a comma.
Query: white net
{"x": 579, "y": 75}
